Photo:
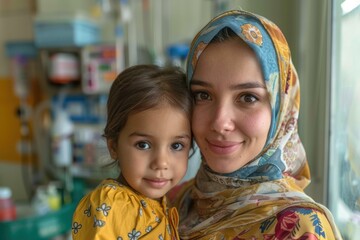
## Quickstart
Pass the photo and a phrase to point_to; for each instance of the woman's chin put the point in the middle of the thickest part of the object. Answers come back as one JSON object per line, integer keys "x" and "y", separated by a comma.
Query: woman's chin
{"x": 223, "y": 169}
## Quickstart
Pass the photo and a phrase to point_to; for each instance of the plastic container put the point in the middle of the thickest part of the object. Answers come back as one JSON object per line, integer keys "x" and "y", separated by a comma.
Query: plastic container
{"x": 177, "y": 54}
{"x": 53, "y": 198}
{"x": 7, "y": 206}
{"x": 62, "y": 131}
{"x": 64, "y": 68}
{"x": 40, "y": 201}
{"x": 65, "y": 30}
{"x": 84, "y": 147}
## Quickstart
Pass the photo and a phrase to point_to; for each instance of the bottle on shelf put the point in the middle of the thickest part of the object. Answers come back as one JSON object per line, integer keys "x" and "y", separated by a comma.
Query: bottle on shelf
{"x": 7, "y": 206}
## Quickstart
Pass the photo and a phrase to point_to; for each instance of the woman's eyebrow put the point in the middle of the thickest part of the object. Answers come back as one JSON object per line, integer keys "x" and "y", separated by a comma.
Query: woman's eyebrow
{"x": 199, "y": 83}
{"x": 246, "y": 85}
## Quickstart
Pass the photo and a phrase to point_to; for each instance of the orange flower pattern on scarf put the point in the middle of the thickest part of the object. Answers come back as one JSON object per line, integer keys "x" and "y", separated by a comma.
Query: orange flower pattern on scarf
{"x": 252, "y": 34}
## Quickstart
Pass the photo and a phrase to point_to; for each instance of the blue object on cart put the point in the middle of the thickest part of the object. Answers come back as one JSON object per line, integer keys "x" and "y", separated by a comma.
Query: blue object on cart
{"x": 66, "y": 33}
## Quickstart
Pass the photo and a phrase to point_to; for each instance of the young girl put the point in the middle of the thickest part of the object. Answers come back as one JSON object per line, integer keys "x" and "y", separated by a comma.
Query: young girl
{"x": 148, "y": 134}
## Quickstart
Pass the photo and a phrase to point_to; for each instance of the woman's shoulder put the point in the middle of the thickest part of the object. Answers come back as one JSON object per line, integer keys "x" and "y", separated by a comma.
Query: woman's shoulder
{"x": 293, "y": 222}
{"x": 306, "y": 220}
{"x": 306, "y": 212}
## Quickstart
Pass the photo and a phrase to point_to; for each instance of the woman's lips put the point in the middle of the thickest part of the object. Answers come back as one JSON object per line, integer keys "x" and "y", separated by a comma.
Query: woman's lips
{"x": 223, "y": 147}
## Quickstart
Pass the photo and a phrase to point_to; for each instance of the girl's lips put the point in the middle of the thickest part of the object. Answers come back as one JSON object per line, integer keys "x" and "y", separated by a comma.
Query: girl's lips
{"x": 223, "y": 147}
{"x": 157, "y": 183}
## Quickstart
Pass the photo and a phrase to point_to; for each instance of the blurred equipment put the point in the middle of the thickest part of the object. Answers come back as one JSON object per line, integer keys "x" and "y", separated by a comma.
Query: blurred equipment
{"x": 7, "y": 207}
{"x": 62, "y": 130}
{"x": 177, "y": 54}
{"x": 22, "y": 54}
{"x": 100, "y": 68}
{"x": 59, "y": 30}
{"x": 64, "y": 68}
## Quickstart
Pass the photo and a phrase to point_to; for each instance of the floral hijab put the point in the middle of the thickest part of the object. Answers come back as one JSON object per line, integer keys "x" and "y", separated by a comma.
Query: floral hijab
{"x": 283, "y": 152}
{"x": 263, "y": 199}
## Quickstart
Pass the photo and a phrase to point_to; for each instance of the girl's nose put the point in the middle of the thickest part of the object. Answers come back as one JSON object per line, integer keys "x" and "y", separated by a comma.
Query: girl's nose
{"x": 160, "y": 160}
{"x": 223, "y": 119}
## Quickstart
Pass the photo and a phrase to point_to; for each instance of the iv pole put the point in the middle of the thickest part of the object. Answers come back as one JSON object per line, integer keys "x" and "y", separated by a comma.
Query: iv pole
{"x": 20, "y": 54}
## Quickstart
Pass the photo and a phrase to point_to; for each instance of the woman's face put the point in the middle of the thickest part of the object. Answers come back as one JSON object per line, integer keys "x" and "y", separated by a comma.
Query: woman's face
{"x": 232, "y": 112}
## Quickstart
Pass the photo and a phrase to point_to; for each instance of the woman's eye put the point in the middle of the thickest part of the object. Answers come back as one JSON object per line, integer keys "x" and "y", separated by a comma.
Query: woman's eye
{"x": 177, "y": 146}
{"x": 200, "y": 96}
{"x": 248, "y": 98}
{"x": 143, "y": 145}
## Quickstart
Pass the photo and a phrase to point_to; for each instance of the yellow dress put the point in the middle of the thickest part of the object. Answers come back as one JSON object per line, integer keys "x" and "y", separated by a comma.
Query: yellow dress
{"x": 114, "y": 211}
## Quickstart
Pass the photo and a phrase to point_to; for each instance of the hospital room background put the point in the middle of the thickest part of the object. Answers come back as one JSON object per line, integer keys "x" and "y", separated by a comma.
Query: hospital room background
{"x": 59, "y": 58}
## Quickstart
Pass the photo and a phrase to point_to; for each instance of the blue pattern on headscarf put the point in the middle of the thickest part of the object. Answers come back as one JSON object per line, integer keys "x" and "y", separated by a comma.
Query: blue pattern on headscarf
{"x": 266, "y": 52}
{"x": 272, "y": 168}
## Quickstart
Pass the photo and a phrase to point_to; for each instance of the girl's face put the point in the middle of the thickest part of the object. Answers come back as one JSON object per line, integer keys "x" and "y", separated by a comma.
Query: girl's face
{"x": 153, "y": 149}
{"x": 232, "y": 112}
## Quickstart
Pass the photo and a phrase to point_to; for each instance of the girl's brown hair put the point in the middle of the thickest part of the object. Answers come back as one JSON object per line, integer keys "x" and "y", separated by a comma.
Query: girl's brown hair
{"x": 142, "y": 87}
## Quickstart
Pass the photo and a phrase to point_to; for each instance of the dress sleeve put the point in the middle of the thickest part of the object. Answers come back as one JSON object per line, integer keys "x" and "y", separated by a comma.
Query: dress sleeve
{"x": 98, "y": 217}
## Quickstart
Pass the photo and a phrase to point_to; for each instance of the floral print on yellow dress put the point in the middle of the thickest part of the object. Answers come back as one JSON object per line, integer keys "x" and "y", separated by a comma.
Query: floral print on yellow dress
{"x": 114, "y": 211}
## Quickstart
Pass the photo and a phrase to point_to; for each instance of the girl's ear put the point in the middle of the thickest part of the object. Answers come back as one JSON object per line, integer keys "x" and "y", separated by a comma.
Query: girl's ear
{"x": 111, "y": 145}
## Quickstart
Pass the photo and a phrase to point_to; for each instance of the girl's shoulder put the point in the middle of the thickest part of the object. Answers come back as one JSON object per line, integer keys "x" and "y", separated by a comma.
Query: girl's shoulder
{"x": 98, "y": 213}
{"x": 109, "y": 191}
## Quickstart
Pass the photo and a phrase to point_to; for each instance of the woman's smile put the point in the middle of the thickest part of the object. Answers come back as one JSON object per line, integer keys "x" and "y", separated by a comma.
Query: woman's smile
{"x": 223, "y": 147}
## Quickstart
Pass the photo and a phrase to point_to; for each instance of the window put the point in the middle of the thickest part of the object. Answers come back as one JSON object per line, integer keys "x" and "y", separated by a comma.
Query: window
{"x": 344, "y": 183}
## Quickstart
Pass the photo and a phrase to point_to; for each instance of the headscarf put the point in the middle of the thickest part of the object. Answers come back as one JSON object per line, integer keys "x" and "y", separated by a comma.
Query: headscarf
{"x": 275, "y": 179}
{"x": 283, "y": 152}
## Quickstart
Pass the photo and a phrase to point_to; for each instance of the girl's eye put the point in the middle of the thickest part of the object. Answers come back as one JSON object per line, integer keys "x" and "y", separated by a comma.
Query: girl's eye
{"x": 248, "y": 98}
{"x": 177, "y": 146}
{"x": 143, "y": 145}
{"x": 201, "y": 96}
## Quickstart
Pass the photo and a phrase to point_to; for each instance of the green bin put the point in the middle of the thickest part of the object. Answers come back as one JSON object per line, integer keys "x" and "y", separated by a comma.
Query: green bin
{"x": 39, "y": 227}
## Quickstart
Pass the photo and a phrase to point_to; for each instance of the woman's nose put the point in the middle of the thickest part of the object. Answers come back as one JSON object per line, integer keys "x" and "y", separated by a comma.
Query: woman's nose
{"x": 223, "y": 119}
{"x": 160, "y": 160}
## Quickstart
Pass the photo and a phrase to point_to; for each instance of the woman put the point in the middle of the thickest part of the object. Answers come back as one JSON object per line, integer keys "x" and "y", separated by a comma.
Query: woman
{"x": 254, "y": 169}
